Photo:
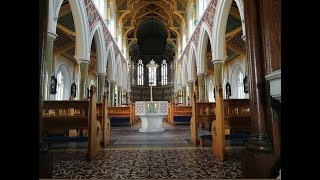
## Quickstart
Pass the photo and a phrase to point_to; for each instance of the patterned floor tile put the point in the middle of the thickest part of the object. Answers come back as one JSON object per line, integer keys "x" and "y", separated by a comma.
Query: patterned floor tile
{"x": 134, "y": 155}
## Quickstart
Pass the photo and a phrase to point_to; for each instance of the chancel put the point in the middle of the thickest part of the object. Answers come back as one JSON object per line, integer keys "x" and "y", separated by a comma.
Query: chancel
{"x": 160, "y": 89}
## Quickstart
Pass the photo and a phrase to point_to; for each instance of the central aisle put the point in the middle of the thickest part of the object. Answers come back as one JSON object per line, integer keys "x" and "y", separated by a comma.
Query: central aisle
{"x": 135, "y": 155}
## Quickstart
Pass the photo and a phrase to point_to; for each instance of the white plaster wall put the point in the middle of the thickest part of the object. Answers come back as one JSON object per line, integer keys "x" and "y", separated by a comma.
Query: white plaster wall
{"x": 241, "y": 61}
{"x": 59, "y": 61}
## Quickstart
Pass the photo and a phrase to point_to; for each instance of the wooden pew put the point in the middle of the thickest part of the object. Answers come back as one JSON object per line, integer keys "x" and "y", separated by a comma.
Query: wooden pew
{"x": 178, "y": 111}
{"x": 102, "y": 117}
{"x": 236, "y": 116}
{"x": 123, "y": 112}
{"x": 202, "y": 112}
{"x": 78, "y": 114}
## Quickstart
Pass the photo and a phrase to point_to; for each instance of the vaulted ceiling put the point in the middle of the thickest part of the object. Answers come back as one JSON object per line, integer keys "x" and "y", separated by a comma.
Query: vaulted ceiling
{"x": 151, "y": 28}
{"x": 152, "y": 25}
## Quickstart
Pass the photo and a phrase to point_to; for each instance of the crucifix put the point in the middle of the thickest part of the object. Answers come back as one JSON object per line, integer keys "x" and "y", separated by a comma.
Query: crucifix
{"x": 152, "y": 66}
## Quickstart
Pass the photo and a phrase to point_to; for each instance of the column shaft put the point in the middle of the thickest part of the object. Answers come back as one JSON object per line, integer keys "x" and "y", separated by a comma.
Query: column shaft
{"x": 201, "y": 85}
{"x": 191, "y": 86}
{"x": 184, "y": 95}
{"x": 48, "y": 64}
{"x": 119, "y": 99}
{"x": 82, "y": 80}
{"x": 111, "y": 93}
{"x": 101, "y": 84}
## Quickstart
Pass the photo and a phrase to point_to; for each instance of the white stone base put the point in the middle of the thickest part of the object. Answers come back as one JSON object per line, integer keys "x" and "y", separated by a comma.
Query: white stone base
{"x": 151, "y": 123}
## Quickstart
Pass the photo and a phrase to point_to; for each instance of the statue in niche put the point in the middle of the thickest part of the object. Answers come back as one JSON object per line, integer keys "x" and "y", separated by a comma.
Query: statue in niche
{"x": 73, "y": 89}
{"x": 228, "y": 90}
{"x": 246, "y": 84}
{"x": 53, "y": 84}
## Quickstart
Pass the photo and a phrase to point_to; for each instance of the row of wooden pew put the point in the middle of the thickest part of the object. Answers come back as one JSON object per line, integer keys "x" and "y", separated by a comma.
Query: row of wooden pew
{"x": 85, "y": 115}
{"x": 236, "y": 115}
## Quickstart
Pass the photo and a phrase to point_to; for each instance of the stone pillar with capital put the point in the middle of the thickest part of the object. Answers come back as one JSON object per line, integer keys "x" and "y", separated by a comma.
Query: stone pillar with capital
{"x": 101, "y": 84}
{"x": 82, "y": 80}
{"x": 48, "y": 64}
{"x": 191, "y": 89}
{"x": 184, "y": 94}
{"x": 111, "y": 92}
{"x": 202, "y": 87}
{"x": 218, "y": 134}
{"x": 119, "y": 98}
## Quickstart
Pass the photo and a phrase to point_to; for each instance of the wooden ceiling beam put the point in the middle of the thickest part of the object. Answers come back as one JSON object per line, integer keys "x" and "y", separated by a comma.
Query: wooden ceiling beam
{"x": 64, "y": 10}
{"x": 64, "y": 47}
{"x": 234, "y": 12}
{"x": 236, "y": 48}
{"x": 234, "y": 32}
{"x": 66, "y": 30}
{"x": 68, "y": 57}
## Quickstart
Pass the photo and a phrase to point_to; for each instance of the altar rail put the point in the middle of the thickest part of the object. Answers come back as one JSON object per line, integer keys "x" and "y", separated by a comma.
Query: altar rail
{"x": 78, "y": 114}
{"x": 236, "y": 115}
{"x": 124, "y": 112}
{"x": 178, "y": 111}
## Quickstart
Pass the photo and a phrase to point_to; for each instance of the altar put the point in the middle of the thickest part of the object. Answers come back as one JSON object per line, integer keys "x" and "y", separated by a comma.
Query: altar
{"x": 151, "y": 114}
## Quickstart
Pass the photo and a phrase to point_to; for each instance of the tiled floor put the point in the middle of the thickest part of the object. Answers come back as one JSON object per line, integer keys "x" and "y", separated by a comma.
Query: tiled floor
{"x": 134, "y": 155}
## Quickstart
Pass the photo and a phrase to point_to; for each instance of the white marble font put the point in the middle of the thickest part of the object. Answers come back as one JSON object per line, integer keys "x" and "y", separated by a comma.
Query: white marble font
{"x": 151, "y": 114}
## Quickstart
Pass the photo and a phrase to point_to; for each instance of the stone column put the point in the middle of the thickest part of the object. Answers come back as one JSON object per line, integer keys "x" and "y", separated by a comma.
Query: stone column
{"x": 111, "y": 93}
{"x": 191, "y": 90}
{"x": 218, "y": 144}
{"x": 119, "y": 98}
{"x": 184, "y": 95}
{"x": 259, "y": 150}
{"x": 48, "y": 64}
{"x": 201, "y": 85}
{"x": 82, "y": 80}
{"x": 43, "y": 28}
{"x": 101, "y": 84}
{"x": 124, "y": 96}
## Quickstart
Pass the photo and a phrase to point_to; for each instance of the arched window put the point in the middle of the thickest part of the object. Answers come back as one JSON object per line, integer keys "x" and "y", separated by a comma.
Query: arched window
{"x": 237, "y": 87}
{"x": 60, "y": 86}
{"x": 152, "y": 66}
{"x": 140, "y": 72}
{"x": 164, "y": 73}
{"x": 240, "y": 85}
{"x": 190, "y": 20}
{"x": 112, "y": 21}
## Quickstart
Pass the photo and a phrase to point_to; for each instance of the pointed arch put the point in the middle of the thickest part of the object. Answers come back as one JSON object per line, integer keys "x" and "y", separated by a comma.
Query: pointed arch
{"x": 184, "y": 71}
{"x": 110, "y": 61}
{"x": 64, "y": 87}
{"x": 192, "y": 62}
{"x": 116, "y": 69}
{"x": 202, "y": 49}
{"x": 97, "y": 32}
{"x": 219, "y": 29}
{"x": 54, "y": 8}
{"x": 81, "y": 23}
